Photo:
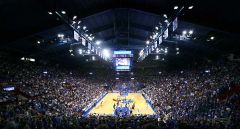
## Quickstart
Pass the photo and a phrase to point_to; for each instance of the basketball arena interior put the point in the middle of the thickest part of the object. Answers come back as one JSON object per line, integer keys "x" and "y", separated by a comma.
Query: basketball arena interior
{"x": 119, "y": 64}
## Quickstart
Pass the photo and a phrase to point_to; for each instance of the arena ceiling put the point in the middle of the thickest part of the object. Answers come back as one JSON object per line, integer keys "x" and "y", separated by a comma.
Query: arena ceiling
{"x": 119, "y": 23}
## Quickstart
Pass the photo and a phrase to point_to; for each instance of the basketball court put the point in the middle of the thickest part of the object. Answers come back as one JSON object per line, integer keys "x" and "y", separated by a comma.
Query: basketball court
{"x": 106, "y": 105}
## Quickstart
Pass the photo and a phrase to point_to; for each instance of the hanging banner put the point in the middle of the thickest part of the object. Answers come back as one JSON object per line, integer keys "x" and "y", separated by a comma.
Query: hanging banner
{"x": 175, "y": 24}
{"x": 83, "y": 42}
{"x": 160, "y": 40}
{"x": 155, "y": 44}
{"x": 76, "y": 35}
{"x": 165, "y": 34}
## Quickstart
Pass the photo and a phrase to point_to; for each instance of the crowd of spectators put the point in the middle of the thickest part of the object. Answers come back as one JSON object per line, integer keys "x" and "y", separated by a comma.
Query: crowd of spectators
{"x": 192, "y": 95}
{"x": 55, "y": 97}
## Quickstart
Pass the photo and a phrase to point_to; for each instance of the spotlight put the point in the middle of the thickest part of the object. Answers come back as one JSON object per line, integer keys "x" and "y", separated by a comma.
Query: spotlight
{"x": 98, "y": 42}
{"x": 70, "y": 50}
{"x": 191, "y": 32}
{"x": 156, "y": 28}
{"x": 177, "y": 48}
{"x": 175, "y": 7}
{"x": 84, "y": 27}
{"x": 157, "y": 57}
{"x": 184, "y": 32}
{"x": 79, "y": 22}
{"x": 93, "y": 58}
{"x": 80, "y": 51}
{"x": 165, "y": 15}
{"x": 74, "y": 17}
{"x": 157, "y": 50}
{"x": 38, "y": 42}
{"x": 50, "y": 13}
{"x": 212, "y": 37}
{"x": 190, "y": 7}
{"x": 73, "y": 22}
{"x": 63, "y": 12}
{"x": 147, "y": 42}
{"x": 78, "y": 27}
{"x": 166, "y": 21}
{"x": 60, "y": 35}
{"x": 106, "y": 53}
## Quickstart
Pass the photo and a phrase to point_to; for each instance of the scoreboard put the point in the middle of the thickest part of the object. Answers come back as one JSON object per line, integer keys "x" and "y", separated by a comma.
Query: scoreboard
{"x": 123, "y": 60}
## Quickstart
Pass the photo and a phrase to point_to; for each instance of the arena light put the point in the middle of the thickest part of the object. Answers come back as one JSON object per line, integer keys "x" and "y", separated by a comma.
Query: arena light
{"x": 177, "y": 53}
{"x": 165, "y": 15}
{"x": 72, "y": 54}
{"x": 78, "y": 27}
{"x": 38, "y": 42}
{"x": 157, "y": 57}
{"x": 45, "y": 72}
{"x": 91, "y": 73}
{"x": 50, "y": 13}
{"x": 175, "y": 7}
{"x": 63, "y": 12}
{"x": 132, "y": 78}
{"x": 74, "y": 17}
{"x": 166, "y": 51}
{"x": 60, "y": 35}
{"x": 184, "y": 32}
{"x": 117, "y": 78}
{"x": 207, "y": 71}
{"x": 23, "y": 58}
{"x": 79, "y": 22}
{"x": 98, "y": 42}
{"x": 80, "y": 51}
{"x": 190, "y": 32}
{"x": 190, "y": 7}
{"x": 106, "y": 53}
{"x": 156, "y": 28}
{"x": 84, "y": 27}
{"x": 93, "y": 58}
{"x": 32, "y": 60}
{"x": 74, "y": 22}
{"x": 212, "y": 37}
{"x": 157, "y": 50}
{"x": 177, "y": 48}
{"x": 147, "y": 42}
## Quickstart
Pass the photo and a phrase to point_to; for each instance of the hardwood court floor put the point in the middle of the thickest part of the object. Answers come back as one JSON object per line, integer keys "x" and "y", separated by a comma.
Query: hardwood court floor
{"x": 105, "y": 106}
